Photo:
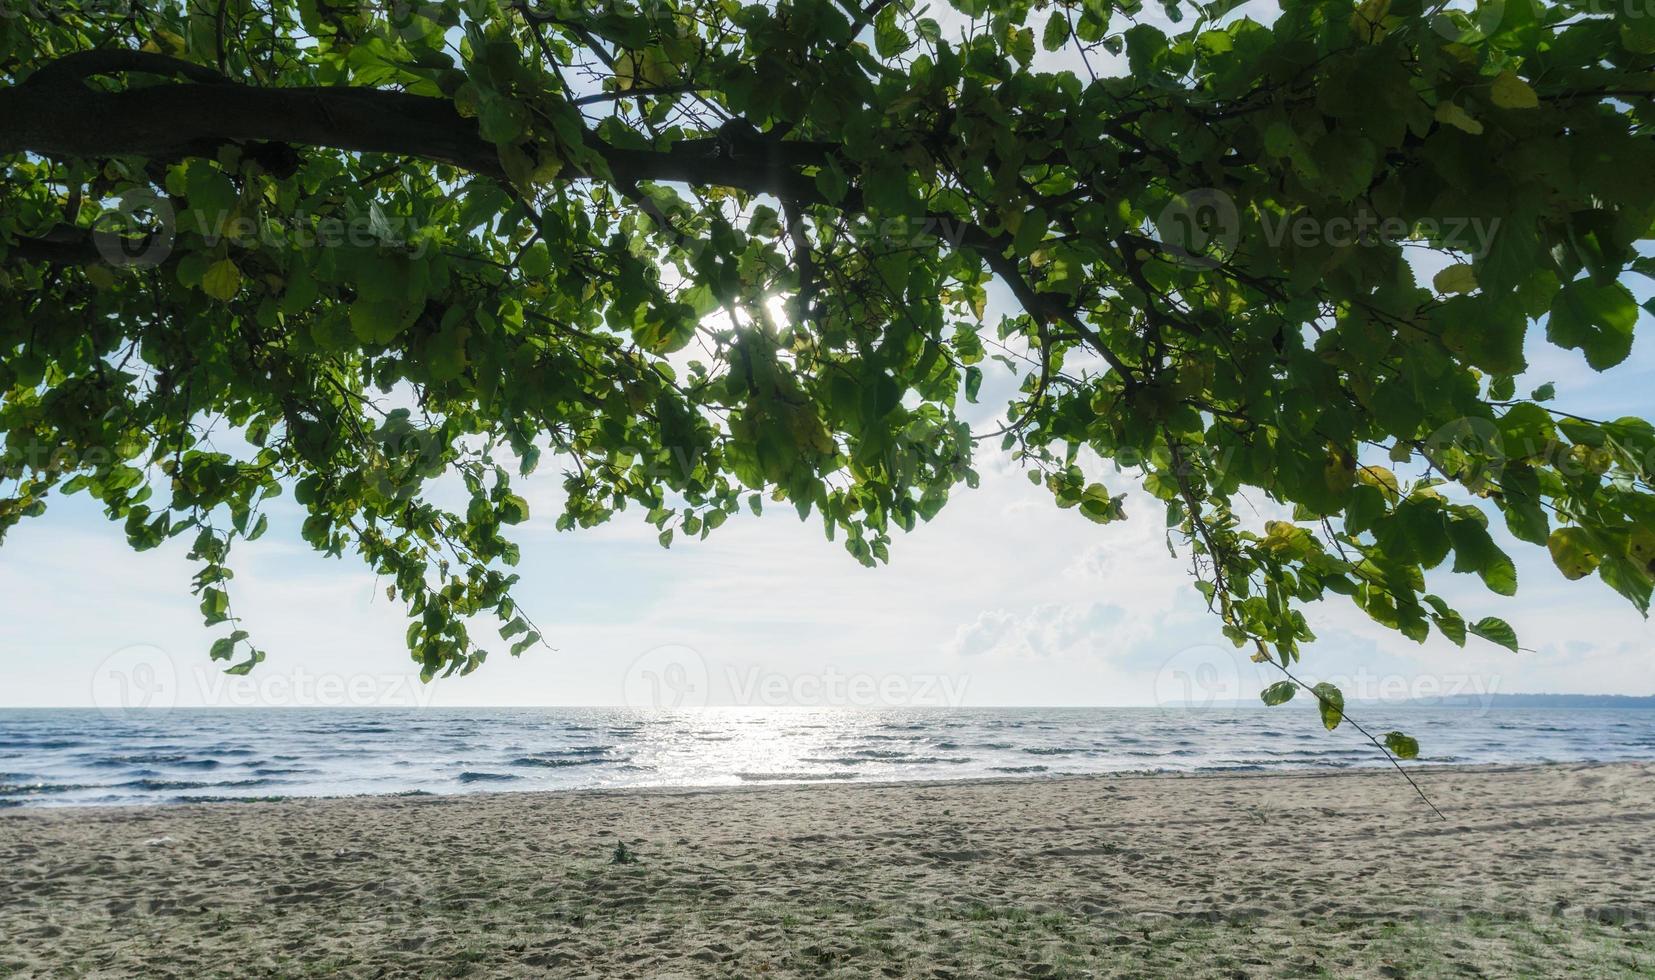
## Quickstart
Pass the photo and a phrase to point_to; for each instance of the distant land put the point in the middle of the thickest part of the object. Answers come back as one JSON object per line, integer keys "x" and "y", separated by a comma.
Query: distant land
{"x": 1492, "y": 701}
{"x": 1535, "y": 701}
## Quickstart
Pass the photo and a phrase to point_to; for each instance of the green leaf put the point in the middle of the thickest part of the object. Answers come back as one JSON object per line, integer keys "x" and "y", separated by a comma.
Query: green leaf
{"x": 1056, "y": 34}
{"x": 535, "y": 261}
{"x": 513, "y": 509}
{"x": 1456, "y": 116}
{"x": 1475, "y": 551}
{"x": 1030, "y": 232}
{"x": 1330, "y": 701}
{"x": 1280, "y": 692}
{"x": 1511, "y": 92}
{"x": 254, "y": 658}
{"x": 667, "y": 331}
{"x": 1597, "y": 319}
{"x": 1345, "y": 164}
{"x": 1496, "y": 631}
{"x": 222, "y": 280}
{"x": 1401, "y": 746}
{"x": 215, "y": 605}
{"x": 890, "y": 39}
{"x": 830, "y": 180}
{"x": 1021, "y": 45}
{"x": 378, "y": 321}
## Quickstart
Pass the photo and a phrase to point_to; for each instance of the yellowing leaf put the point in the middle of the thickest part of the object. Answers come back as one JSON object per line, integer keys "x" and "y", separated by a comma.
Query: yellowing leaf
{"x": 1455, "y": 279}
{"x": 1641, "y": 548}
{"x": 1337, "y": 471}
{"x": 1452, "y": 115}
{"x": 222, "y": 280}
{"x": 547, "y": 169}
{"x": 652, "y": 67}
{"x": 1511, "y": 92}
{"x": 1572, "y": 553}
{"x": 657, "y": 67}
{"x": 166, "y": 42}
{"x": 1384, "y": 479}
{"x": 466, "y": 100}
{"x": 1365, "y": 20}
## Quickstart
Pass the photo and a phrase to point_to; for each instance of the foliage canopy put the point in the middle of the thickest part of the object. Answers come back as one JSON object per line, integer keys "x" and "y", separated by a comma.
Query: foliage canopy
{"x": 713, "y": 254}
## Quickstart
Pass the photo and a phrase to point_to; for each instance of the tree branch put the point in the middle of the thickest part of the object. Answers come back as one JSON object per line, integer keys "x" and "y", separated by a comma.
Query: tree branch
{"x": 54, "y": 113}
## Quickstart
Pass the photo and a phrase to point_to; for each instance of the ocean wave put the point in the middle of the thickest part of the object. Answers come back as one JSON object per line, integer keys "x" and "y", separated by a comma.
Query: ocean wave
{"x": 543, "y": 763}
{"x": 487, "y": 777}
{"x": 230, "y": 799}
{"x": 39, "y": 789}
{"x": 162, "y": 785}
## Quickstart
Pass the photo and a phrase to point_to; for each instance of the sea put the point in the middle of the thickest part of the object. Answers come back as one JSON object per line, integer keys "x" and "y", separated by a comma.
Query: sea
{"x": 76, "y": 757}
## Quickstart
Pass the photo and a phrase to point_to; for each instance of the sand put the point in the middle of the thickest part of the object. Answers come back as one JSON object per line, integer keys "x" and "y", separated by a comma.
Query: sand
{"x": 1546, "y": 870}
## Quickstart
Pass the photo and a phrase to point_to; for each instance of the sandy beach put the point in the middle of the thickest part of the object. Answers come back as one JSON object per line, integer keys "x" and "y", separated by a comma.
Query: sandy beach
{"x": 1537, "y": 871}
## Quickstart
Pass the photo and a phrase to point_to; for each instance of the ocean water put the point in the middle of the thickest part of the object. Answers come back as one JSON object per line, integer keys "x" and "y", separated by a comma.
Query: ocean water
{"x": 81, "y": 757}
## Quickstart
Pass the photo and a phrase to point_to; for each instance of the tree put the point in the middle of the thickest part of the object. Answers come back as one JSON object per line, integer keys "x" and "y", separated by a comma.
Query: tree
{"x": 713, "y": 254}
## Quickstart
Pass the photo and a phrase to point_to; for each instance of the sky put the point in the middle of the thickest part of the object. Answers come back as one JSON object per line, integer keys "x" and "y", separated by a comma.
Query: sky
{"x": 1003, "y": 599}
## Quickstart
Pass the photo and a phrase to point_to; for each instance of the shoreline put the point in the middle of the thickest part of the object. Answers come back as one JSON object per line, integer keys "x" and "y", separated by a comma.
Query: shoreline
{"x": 847, "y": 784}
{"x": 1538, "y": 870}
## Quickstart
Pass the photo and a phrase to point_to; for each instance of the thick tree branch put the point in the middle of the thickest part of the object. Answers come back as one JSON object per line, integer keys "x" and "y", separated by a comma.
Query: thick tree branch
{"x": 71, "y": 245}
{"x": 54, "y": 113}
